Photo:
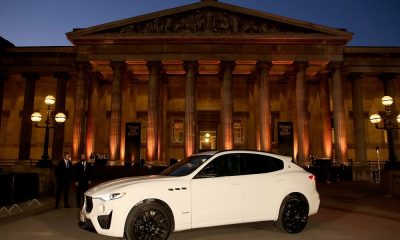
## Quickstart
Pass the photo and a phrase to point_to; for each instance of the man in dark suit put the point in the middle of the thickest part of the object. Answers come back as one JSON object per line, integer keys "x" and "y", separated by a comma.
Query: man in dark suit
{"x": 83, "y": 176}
{"x": 63, "y": 175}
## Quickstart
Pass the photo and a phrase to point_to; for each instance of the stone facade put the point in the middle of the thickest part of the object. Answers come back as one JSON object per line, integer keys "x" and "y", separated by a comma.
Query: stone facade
{"x": 206, "y": 67}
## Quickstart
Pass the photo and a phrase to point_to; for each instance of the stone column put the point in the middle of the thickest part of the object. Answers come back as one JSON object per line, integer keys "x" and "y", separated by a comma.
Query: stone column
{"x": 127, "y": 112}
{"x": 291, "y": 101}
{"x": 358, "y": 119}
{"x": 93, "y": 91}
{"x": 152, "y": 113}
{"x": 252, "y": 126}
{"x": 116, "y": 110}
{"x": 265, "y": 106}
{"x": 3, "y": 78}
{"x": 361, "y": 171}
{"x": 58, "y": 133}
{"x": 325, "y": 116}
{"x": 339, "y": 118}
{"x": 227, "y": 106}
{"x": 389, "y": 89}
{"x": 26, "y": 123}
{"x": 80, "y": 103}
{"x": 162, "y": 119}
{"x": 190, "y": 108}
{"x": 302, "y": 114}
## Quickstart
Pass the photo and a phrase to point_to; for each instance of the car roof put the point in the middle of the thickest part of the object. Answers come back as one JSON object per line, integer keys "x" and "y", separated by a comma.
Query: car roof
{"x": 211, "y": 153}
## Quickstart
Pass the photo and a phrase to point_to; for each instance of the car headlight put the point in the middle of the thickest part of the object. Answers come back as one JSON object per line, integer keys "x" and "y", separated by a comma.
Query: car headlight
{"x": 108, "y": 197}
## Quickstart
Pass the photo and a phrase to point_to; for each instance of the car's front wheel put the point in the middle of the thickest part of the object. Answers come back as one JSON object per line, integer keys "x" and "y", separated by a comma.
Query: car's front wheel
{"x": 293, "y": 214}
{"x": 148, "y": 221}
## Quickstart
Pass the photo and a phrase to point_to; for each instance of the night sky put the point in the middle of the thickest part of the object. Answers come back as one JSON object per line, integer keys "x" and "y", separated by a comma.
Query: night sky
{"x": 45, "y": 22}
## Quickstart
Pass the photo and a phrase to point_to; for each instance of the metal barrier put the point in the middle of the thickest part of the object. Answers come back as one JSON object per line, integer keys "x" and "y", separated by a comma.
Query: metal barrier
{"x": 16, "y": 188}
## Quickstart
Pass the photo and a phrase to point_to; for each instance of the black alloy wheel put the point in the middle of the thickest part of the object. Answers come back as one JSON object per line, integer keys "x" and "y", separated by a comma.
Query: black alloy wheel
{"x": 148, "y": 221}
{"x": 293, "y": 215}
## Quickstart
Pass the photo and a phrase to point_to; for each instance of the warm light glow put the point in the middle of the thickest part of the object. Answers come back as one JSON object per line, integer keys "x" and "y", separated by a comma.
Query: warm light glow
{"x": 151, "y": 143}
{"x": 49, "y": 100}
{"x": 122, "y": 148}
{"x": 375, "y": 118}
{"x": 246, "y": 62}
{"x": 282, "y": 62}
{"x": 209, "y": 62}
{"x": 398, "y": 118}
{"x": 207, "y": 135}
{"x": 206, "y": 140}
{"x": 36, "y": 117}
{"x": 387, "y": 100}
{"x": 176, "y": 72}
{"x": 60, "y": 117}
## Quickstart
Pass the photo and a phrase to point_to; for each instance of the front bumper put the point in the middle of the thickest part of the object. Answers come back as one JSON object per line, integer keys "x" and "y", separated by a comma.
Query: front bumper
{"x": 99, "y": 216}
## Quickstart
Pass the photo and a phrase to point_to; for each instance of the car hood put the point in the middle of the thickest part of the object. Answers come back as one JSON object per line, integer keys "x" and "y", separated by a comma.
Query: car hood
{"x": 117, "y": 185}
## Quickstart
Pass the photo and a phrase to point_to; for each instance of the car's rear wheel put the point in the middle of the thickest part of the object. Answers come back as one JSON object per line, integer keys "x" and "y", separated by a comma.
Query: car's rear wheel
{"x": 293, "y": 214}
{"x": 148, "y": 221}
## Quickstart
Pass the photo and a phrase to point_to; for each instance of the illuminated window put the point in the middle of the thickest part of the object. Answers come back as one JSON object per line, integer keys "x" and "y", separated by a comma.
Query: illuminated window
{"x": 208, "y": 140}
{"x": 238, "y": 132}
{"x": 177, "y": 132}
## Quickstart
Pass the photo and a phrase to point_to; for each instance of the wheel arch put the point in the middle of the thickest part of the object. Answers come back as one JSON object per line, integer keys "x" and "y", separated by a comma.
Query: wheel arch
{"x": 292, "y": 194}
{"x": 159, "y": 202}
{"x": 296, "y": 194}
{"x": 280, "y": 223}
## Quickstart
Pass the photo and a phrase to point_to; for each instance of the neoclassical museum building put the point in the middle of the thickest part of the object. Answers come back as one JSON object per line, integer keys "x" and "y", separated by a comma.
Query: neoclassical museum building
{"x": 204, "y": 76}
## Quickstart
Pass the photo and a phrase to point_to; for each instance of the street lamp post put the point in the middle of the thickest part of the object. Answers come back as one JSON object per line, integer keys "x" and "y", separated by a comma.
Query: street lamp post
{"x": 387, "y": 122}
{"x": 49, "y": 123}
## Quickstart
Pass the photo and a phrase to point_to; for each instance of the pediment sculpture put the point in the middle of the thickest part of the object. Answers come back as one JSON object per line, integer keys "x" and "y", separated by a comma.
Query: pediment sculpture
{"x": 208, "y": 20}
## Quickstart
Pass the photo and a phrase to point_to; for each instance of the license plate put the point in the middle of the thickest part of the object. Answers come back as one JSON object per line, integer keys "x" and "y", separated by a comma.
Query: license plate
{"x": 82, "y": 217}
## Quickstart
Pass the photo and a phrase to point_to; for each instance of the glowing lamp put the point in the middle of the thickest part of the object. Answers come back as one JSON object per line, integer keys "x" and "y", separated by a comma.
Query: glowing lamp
{"x": 387, "y": 100}
{"x": 60, "y": 117}
{"x": 375, "y": 118}
{"x": 36, "y": 117}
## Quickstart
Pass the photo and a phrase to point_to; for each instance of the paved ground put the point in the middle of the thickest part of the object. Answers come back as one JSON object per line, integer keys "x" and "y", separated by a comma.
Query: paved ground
{"x": 348, "y": 211}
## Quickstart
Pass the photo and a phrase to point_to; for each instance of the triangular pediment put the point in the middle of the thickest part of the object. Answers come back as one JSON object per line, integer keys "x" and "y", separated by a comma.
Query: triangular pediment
{"x": 207, "y": 18}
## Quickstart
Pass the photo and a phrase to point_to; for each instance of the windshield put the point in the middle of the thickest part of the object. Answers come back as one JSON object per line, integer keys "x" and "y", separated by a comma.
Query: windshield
{"x": 186, "y": 166}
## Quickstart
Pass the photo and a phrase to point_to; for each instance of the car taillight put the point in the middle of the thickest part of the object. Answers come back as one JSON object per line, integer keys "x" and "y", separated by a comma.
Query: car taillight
{"x": 312, "y": 177}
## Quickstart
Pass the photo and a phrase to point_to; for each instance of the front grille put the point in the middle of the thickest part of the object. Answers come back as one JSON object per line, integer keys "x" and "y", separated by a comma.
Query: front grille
{"x": 88, "y": 204}
{"x": 87, "y": 225}
{"x": 105, "y": 221}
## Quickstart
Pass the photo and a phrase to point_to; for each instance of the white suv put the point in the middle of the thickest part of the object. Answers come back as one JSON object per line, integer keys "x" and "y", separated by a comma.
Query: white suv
{"x": 206, "y": 189}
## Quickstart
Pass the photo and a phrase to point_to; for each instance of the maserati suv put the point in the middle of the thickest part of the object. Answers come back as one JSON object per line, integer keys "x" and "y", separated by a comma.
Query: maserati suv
{"x": 206, "y": 189}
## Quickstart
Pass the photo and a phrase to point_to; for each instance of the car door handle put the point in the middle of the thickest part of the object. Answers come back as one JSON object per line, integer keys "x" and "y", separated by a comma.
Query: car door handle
{"x": 234, "y": 184}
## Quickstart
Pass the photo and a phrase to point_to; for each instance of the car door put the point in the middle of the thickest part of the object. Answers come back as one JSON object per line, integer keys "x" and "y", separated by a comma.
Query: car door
{"x": 217, "y": 194}
{"x": 262, "y": 182}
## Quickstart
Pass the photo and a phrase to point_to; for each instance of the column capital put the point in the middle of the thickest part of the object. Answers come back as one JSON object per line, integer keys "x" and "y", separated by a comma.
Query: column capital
{"x": 298, "y": 65}
{"x": 62, "y": 75}
{"x": 83, "y": 65}
{"x": 190, "y": 64}
{"x": 30, "y": 75}
{"x": 388, "y": 76}
{"x": 355, "y": 75}
{"x": 154, "y": 63}
{"x": 118, "y": 64}
{"x": 97, "y": 75}
{"x": 227, "y": 65}
{"x": 335, "y": 65}
{"x": 264, "y": 65}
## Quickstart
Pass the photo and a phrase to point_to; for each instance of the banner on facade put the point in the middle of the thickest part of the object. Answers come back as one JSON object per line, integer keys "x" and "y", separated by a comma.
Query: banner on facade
{"x": 285, "y": 138}
{"x": 132, "y": 143}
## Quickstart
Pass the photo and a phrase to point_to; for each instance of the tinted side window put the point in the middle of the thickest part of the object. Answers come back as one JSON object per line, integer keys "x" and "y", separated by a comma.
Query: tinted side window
{"x": 256, "y": 163}
{"x": 225, "y": 165}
